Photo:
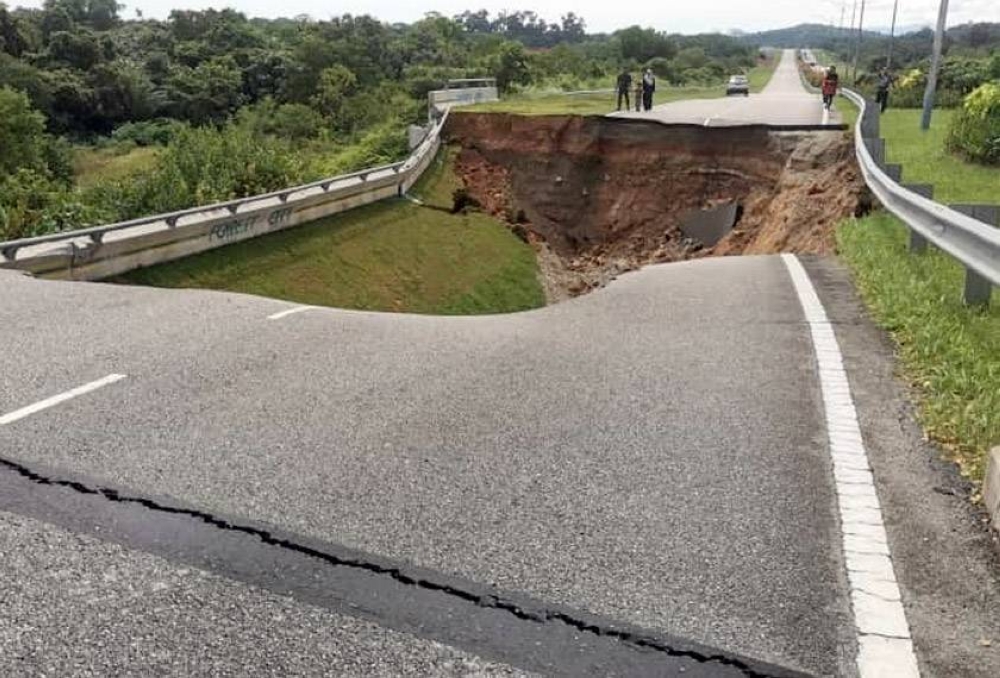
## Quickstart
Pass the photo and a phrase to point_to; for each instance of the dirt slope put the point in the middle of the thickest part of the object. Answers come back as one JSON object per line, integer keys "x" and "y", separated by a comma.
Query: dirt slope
{"x": 598, "y": 196}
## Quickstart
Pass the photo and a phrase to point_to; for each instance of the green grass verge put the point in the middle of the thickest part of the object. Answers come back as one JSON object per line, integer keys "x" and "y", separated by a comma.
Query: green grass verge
{"x": 390, "y": 256}
{"x": 949, "y": 352}
{"x": 760, "y": 75}
{"x": 926, "y": 160}
{"x": 94, "y": 165}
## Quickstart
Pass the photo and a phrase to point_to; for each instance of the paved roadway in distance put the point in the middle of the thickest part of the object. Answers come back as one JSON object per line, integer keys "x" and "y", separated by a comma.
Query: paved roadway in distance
{"x": 783, "y": 102}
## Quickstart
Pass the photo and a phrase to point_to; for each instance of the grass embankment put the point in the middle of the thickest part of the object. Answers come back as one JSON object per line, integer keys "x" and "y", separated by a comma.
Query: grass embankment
{"x": 601, "y": 103}
{"x": 950, "y": 352}
{"x": 925, "y": 159}
{"x": 390, "y": 256}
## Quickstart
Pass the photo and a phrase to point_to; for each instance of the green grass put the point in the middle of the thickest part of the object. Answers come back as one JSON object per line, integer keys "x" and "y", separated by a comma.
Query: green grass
{"x": 390, "y": 256}
{"x": 93, "y": 165}
{"x": 948, "y": 351}
{"x": 761, "y": 74}
{"x": 926, "y": 160}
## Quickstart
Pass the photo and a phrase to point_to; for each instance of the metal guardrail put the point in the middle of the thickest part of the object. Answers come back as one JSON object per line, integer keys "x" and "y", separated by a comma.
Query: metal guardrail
{"x": 973, "y": 243}
{"x": 96, "y": 233}
{"x": 332, "y": 186}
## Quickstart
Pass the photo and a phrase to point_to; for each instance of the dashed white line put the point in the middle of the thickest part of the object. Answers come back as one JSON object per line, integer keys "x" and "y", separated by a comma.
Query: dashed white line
{"x": 289, "y": 311}
{"x": 885, "y": 647}
{"x": 57, "y": 399}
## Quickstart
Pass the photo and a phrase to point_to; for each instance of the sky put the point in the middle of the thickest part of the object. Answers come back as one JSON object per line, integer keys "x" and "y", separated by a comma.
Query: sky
{"x": 673, "y": 16}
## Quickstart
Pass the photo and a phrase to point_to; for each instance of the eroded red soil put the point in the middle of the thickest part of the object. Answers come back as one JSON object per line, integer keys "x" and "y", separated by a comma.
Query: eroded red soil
{"x": 599, "y": 196}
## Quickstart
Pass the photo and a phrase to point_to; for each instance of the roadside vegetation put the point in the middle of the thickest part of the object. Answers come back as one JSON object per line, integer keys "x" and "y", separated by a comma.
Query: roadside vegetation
{"x": 100, "y": 116}
{"x": 389, "y": 256}
{"x": 950, "y": 353}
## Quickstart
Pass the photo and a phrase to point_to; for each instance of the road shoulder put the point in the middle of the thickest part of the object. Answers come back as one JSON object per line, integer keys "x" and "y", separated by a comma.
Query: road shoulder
{"x": 946, "y": 559}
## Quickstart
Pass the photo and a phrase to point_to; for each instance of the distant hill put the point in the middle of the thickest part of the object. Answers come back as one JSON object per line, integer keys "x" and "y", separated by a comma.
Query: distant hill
{"x": 803, "y": 35}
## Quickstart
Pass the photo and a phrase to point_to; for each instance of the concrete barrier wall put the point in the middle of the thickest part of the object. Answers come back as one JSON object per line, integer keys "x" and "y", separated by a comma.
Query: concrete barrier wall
{"x": 95, "y": 254}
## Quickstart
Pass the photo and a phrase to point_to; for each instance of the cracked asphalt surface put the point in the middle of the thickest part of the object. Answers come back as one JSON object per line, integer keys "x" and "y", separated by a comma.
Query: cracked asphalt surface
{"x": 74, "y": 605}
{"x": 652, "y": 452}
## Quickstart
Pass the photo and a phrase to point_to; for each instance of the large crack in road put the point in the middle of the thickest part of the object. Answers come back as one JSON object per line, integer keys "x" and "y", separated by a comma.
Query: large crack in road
{"x": 518, "y": 630}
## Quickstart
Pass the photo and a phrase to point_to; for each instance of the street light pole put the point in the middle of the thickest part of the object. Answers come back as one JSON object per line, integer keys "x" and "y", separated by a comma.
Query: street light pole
{"x": 892, "y": 35}
{"x": 932, "y": 77}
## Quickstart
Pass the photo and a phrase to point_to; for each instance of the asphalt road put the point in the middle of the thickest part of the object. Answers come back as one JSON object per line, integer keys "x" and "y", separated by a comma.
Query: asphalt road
{"x": 784, "y": 102}
{"x": 651, "y": 456}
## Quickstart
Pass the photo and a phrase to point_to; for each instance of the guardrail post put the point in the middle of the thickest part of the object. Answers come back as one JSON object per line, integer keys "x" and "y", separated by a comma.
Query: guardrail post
{"x": 923, "y": 190}
{"x": 876, "y": 146}
{"x": 977, "y": 289}
{"x": 988, "y": 214}
{"x": 918, "y": 243}
{"x": 870, "y": 122}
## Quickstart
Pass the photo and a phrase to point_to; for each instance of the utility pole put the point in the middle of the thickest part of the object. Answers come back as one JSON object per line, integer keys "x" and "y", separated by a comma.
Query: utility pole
{"x": 843, "y": 10}
{"x": 892, "y": 35}
{"x": 857, "y": 42}
{"x": 932, "y": 77}
{"x": 854, "y": 15}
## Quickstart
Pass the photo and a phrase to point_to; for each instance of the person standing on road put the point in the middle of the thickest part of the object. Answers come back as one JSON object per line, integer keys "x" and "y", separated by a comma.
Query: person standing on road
{"x": 648, "y": 87}
{"x": 885, "y": 81}
{"x": 624, "y": 86}
{"x": 638, "y": 93}
{"x": 830, "y": 84}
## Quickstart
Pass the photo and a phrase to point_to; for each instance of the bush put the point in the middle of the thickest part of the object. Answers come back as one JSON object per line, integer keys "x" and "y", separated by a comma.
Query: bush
{"x": 202, "y": 166}
{"x": 975, "y": 128}
{"x": 150, "y": 133}
{"x": 31, "y": 204}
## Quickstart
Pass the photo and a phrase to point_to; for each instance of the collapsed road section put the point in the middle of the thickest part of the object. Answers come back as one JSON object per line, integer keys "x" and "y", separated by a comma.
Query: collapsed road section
{"x": 600, "y": 196}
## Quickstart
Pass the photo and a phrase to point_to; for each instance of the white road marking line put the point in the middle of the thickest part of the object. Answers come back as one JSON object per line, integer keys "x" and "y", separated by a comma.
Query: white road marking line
{"x": 61, "y": 398}
{"x": 290, "y": 311}
{"x": 884, "y": 644}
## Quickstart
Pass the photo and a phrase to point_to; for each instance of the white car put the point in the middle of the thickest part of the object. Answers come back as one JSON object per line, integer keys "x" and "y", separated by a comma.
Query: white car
{"x": 738, "y": 84}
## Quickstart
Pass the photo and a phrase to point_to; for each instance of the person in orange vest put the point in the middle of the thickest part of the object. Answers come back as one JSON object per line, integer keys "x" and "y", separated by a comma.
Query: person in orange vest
{"x": 830, "y": 84}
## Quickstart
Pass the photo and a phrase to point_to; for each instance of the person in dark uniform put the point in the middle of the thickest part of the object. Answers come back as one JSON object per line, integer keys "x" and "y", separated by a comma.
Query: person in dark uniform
{"x": 624, "y": 85}
{"x": 885, "y": 81}
{"x": 648, "y": 87}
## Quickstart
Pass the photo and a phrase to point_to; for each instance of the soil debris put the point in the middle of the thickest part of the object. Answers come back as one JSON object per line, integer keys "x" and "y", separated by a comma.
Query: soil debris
{"x": 597, "y": 197}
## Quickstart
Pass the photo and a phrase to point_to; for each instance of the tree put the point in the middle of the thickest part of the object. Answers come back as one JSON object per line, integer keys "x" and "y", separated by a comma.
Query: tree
{"x": 78, "y": 49}
{"x": 511, "y": 67}
{"x": 574, "y": 28}
{"x": 13, "y": 38}
{"x": 22, "y": 133}
{"x": 642, "y": 44}
{"x": 336, "y": 83}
